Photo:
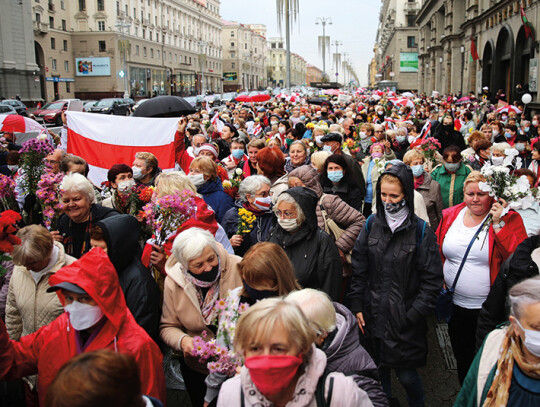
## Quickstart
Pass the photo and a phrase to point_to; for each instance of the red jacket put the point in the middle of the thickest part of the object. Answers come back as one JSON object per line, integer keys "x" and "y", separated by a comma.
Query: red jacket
{"x": 180, "y": 153}
{"x": 501, "y": 245}
{"x": 47, "y": 350}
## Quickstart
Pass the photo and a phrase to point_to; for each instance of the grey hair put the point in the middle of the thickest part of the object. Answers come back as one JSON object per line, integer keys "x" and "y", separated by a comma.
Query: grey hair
{"x": 525, "y": 123}
{"x": 250, "y": 185}
{"x": 501, "y": 147}
{"x": 317, "y": 307}
{"x": 300, "y": 143}
{"x": 525, "y": 293}
{"x": 285, "y": 197}
{"x": 190, "y": 244}
{"x": 402, "y": 131}
{"x": 78, "y": 183}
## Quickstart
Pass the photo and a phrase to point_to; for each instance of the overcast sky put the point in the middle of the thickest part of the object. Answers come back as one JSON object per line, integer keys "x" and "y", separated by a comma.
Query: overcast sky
{"x": 354, "y": 24}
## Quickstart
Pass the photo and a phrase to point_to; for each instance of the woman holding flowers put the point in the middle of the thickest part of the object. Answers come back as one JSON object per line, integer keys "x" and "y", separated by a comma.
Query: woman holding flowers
{"x": 199, "y": 273}
{"x": 498, "y": 236}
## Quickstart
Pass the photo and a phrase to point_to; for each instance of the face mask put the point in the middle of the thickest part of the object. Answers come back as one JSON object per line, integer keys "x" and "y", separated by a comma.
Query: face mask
{"x": 532, "y": 340}
{"x": 394, "y": 207}
{"x": 417, "y": 170}
{"x": 376, "y": 155}
{"x": 327, "y": 148}
{"x": 197, "y": 179}
{"x": 13, "y": 168}
{"x": 508, "y": 135}
{"x": 302, "y": 118}
{"x": 237, "y": 125}
{"x": 126, "y": 186}
{"x": 526, "y": 129}
{"x": 503, "y": 118}
{"x": 363, "y": 135}
{"x": 535, "y": 122}
{"x": 83, "y": 316}
{"x": 448, "y": 127}
{"x": 411, "y": 139}
{"x": 497, "y": 160}
{"x": 262, "y": 203}
{"x": 237, "y": 153}
{"x": 520, "y": 147}
{"x": 335, "y": 176}
{"x": 318, "y": 139}
{"x": 274, "y": 123}
{"x": 495, "y": 133}
{"x": 452, "y": 167}
{"x": 196, "y": 151}
{"x": 257, "y": 295}
{"x": 281, "y": 130}
{"x": 290, "y": 225}
{"x": 289, "y": 142}
{"x": 380, "y": 112}
{"x": 272, "y": 373}
{"x": 205, "y": 116}
{"x": 137, "y": 173}
{"x": 207, "y": 276}
{"x": 401, "y": 139}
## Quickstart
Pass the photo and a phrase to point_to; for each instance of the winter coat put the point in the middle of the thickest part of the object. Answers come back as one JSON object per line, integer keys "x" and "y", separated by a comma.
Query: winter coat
{"x": 449, "y": 138}
{"x": 501, "y": 244}
{"x": 356, "y": 171}
{"x": 345, "y": 391}
{"x": 47, "y": 350}
{"x": 278, "y": 186}
{"x": 451, "y": 184}
{"x": 347, "y": 192}
{"x": 431, "y": 192}
{"x": 259, "y": 233}
{"x": 121, "y": 233}
{"x": 181, "y": 310}
{"x": 312, "y": 251}
{"x": 216, "y": 198}
{"x": 517, "y": 268}
{"x": 346, "y": 355}
{"x": 395, "y": 283}
{"x": 181, "y": 155}
{"x": 67, "y": 229}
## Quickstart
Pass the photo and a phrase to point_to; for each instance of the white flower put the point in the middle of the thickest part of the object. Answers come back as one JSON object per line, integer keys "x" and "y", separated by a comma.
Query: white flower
{"x": 511, "y": 152}
{"x": 484, "y": 187}
{"x": 42, "y": 137}
{"x": 522, "y": 184}
{"x": 238, "y": 171}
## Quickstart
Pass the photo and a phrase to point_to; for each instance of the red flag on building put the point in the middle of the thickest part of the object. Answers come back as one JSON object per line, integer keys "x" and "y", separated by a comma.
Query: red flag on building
{"x": 526, "y": 24}
{"x": 474, "y": 52}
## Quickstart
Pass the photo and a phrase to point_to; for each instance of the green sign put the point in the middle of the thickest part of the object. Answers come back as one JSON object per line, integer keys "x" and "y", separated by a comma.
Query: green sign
{"x": 408, "y": 62}
{"x": 230, "y": 76}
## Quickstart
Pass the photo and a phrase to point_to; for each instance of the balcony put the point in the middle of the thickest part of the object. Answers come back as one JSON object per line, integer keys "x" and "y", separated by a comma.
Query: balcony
{"x": 146, "y": 21}
{"x": 411, "y": 7}
{"x": 40, "y": 28}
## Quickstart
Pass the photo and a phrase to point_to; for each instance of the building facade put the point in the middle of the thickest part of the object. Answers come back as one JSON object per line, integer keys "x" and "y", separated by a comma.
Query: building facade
{"x": 244, "y": 57}
{"x": 397, "y": 43}
{"x": 277, "y": 70}
{"x": 451, "y": 32}
{"x": 313, "y": 74}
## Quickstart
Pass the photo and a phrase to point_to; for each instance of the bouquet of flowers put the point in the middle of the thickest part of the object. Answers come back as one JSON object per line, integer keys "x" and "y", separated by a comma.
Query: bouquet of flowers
{"x": 169, "y": 213}
{"x": 352, "y": 145}
{"x": 218, "y": 359}
{"x": 142, "y": 196}
{"x": 429, "y": 147}
{"x": 8, "y": 228}
{"x": 48, "y": 195}
{"x": 8, "y": 196}
{"x": 231, "y": 186}
{"x": 32, "y": 163}
{"x": 246, "y": 219}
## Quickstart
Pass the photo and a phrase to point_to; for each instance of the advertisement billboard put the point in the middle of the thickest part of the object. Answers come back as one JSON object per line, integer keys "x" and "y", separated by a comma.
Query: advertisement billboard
{"x": 408, "y": 62}
{"x": 93, "y": 66}
{"x": 230, "y": 76}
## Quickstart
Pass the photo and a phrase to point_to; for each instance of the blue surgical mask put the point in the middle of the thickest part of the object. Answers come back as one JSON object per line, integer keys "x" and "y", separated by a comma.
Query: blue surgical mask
{"x": 302, "y": 118}
{"x": 508, "y": 135}
{"x": 526, "y": 129}
{"x": 335, "y": 176}
{"x": 452, "y": 167}
{"x": 327, "y": 148}
{"x": 237, "y": 153}
{"x": 520, "y": 147}
{"x": 417, "y": 170}
{"x": 401, "y": 139}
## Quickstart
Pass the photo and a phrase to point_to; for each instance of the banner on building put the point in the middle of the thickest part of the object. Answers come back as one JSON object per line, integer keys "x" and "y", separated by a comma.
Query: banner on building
{"x": 408, "y": 62}
{"x": 92, "y": 66}
{"x": 230, "y": 76}
{"x": 533, "y": 74}
{"x": 201, "y": 2}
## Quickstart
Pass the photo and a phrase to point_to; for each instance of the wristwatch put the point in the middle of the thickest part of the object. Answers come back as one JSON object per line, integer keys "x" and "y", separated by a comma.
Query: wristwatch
{"x": 500, "y": 225}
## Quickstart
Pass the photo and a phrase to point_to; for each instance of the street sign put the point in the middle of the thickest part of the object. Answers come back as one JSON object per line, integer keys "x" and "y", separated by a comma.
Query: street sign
{"x": 121, "y": 74}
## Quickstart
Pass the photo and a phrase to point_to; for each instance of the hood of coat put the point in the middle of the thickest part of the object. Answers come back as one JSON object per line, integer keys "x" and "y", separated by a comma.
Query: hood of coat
{"x": 347, "y": 339}
{"x": 309, "y": 177}
{"x": 210, "y": 186}
{"x": 523, "y": 255}
{"x": 404, "y": 174}
{"x": 307, "y": 199}
{"x": 121, "y": 233}
{"x": 95, "y": 274}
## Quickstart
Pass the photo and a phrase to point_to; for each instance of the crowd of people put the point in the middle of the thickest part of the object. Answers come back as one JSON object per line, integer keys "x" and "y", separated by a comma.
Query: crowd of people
{"x": 319, "y": 239}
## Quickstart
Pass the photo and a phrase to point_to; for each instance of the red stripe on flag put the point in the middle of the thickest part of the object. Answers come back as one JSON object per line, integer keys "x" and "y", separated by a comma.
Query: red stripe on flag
{"x": 105, "y": 155}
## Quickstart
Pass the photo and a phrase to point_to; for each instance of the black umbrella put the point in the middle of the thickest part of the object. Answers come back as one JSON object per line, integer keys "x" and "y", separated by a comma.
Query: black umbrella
{"x": 164, "y": 106}
{"x": 318, "y": 101}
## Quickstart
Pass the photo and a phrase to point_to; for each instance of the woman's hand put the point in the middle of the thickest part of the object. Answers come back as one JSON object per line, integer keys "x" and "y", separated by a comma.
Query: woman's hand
{"x": 236, "y": 240}
{"x": 182, "y": 125}
{"x": 187, "y": 345}
{"x": 230, "y": 164}
{"x": 386, "y": 144}
{"x": 57, "y": 236}
{"x": 497, "y": 210}
{"x": 158, "y": 257}
{"x": 361, "y": 322}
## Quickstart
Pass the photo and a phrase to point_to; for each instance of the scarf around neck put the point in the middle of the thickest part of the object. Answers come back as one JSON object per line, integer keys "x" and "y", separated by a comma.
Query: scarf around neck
{"x": 394, "y": 220}
{"x": 208, "y": 301}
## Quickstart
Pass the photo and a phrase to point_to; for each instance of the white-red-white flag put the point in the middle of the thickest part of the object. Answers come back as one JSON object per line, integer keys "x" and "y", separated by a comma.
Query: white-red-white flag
{"x": 217, "y": 123}
{"x": 104, "y": 140}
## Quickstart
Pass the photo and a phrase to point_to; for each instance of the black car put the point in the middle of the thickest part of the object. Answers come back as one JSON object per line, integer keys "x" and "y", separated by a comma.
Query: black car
{"x": 19, "y": 106}
{"x": 111, "y": 106}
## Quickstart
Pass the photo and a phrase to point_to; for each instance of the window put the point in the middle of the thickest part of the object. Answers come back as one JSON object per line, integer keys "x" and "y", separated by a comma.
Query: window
{"x": 51, "y": 22}
{"x": 233, "y": 54}
{"x": 137, "y": 50}
{"x": 245, "y": 45}
{"x": 38, "y": 18}
{"x": 233, "y": 65}
{"x": 62, "y": 4}
{"x": 64, "y": 25}
{"x": 102, "y": 46}
{"x": 53, "y": 43}
{"x": 150, "y": 35}
{"x": 143, "y": 33}
{"x": 54, "y": 64}
{"x": 101, "y": 25}
{"x": 411, "y": 41}
{"x": 117, "y": 8}
{"x": 144, "y": 52}
{"x": 411, "y": 20}
{"x": 66, "y": 66}
{"x": 82, "y": 5}
{"x": 68, "y": 87}
{"x": 136, "y": 29}
{"x": 158, "y": 53}
{"x": 232, "y": 44}
{"x": 151, "y": 52}
{"x": 232, "y": 33}
{"x": 64, "y": 45}
{"x": 101, "y": 5}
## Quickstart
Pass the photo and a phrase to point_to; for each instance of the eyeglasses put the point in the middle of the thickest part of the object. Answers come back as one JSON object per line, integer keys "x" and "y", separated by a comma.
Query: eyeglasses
{"x": 52, "y": 162}
{"x": 285, "y": 214}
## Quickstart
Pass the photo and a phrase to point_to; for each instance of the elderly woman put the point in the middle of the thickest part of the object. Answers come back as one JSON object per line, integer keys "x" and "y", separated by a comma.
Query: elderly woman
{"x": 451, "y": 175}
{"x": 120, "y": 176}
{"x": 281, "y": 363}
{"x": 471, "y": 273}
{"x": 379, "y": 154}
{"x": 80, "y": 214}
{"x": 426, "y": 186}
{"x": 29, "y": 306}
{"x": 312, "y": 251}
{"x": 271, "y": 164}
{"x": 203, "y": 174}
{"x": 250, "y": 165}
{"x": 255, "y": 197}
{"x": 338, "y": 337}
{"x": 506, "y": 369}
{"x": 298, "y": 156}
{"x": 198, "y": 274}
{"x": 498, "y": 152}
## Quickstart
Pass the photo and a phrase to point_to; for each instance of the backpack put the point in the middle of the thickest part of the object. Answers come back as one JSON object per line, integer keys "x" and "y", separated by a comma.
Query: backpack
{"x": 420, "y": 229}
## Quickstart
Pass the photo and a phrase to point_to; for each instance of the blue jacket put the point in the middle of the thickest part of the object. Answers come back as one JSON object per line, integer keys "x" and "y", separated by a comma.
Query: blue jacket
{"x": 216, "y": 198}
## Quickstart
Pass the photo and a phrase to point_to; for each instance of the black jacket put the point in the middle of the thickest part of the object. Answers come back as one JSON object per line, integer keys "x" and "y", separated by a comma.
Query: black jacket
{"x": 356, "y": 172}
{"x": 519, "y": 266}
{"x": 395, "y": 284}
{"x": 348, "y": 192}
{"x": 312, "y": 251}
{"x": 447, "y": 136}
{"x": 121, "y": 233}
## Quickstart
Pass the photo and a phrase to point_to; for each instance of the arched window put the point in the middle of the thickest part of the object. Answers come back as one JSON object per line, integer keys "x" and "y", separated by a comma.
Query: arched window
{"x": 524, "y": 52}
{"x": 504, "y": 63}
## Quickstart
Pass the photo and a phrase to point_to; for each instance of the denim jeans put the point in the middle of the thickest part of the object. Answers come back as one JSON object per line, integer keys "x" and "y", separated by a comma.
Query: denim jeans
{"x": 410, "y": 380}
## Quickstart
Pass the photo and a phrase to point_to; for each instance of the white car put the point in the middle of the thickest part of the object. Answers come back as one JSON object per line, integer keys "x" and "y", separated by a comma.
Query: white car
{"x": 7, "y": 109}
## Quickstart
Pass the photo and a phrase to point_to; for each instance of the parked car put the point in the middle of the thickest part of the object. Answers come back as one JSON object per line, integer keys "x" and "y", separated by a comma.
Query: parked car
{"x": 111, "y": 106}
{"x": 140, "y": 102}
{"x": 130, "y": 102}
{"x": 51, "y": 113}
{"x": 192, "y": 100}
{"x": 88, "y": 104}
{"x": 7, "y": 109}
{"x": 19, "y": 106}
{"x": 228, "y": 97}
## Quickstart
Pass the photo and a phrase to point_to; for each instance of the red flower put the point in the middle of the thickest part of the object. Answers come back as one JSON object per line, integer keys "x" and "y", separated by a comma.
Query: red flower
{"x": 7, "y": 229}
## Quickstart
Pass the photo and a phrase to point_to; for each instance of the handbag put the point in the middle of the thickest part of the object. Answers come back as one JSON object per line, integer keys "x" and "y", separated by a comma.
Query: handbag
{"x": 333, "y": 229}
{"x": 445, "y": 302}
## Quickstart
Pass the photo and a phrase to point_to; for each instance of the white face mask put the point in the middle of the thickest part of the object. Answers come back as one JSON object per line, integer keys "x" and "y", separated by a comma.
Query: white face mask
{"x": 497, "y": 160}
{"x": 137, "y": 172}
{"x": 83, "y": 316}
{"x": 197, "y": 179}
{"x": 274, "y": 123}
{"x": 532, "y": 340}
{"x": 318, "y": 139}
{"x": 262, "y": 203}
{"x": 290, "y": 225}
{"x": 282, "y": 130}
{"x": 535, "y": 122}
{"x": 13, "y": 168}
{"x": 196, "y": 151}
{"x": 363, "y": 135}
{"x": 126, "y": 186}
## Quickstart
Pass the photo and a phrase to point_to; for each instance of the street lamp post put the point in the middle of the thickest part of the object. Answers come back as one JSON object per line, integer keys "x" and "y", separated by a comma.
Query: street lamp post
{"x": 323, "y": 21}
{"x": 202, "y": 44}
{"x": 122, "y": 24}
{"x": 337, "y": 44}
{"x": 462, "y": 67}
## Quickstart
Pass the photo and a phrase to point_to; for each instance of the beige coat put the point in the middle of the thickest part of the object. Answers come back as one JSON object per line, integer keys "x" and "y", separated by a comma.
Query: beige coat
{"x": 181, "y": 311}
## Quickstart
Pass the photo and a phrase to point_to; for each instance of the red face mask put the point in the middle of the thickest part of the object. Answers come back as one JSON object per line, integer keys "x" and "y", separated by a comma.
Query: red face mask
{"x": 272, "y": 373}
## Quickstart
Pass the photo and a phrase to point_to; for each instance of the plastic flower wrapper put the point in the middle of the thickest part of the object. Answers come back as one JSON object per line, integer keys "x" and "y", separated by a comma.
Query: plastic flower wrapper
{"x": 8, "y": 228}
{"x": 429, "y": 148}
{"x": 48, "y": 195}
{"x": 8, "y": 196}
{"x": 246, "y": 221}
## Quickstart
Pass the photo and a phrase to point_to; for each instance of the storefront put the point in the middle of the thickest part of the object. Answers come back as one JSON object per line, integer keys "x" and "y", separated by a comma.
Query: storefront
{"x": 184, "y": 84}
{"x": 138, "y": 80}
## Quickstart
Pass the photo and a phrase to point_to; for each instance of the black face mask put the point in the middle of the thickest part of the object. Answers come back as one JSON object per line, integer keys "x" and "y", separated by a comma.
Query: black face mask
{"x": 448, "y": 127}
{"x": 207, "y": 276}
{"x": 257, "y": 295}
